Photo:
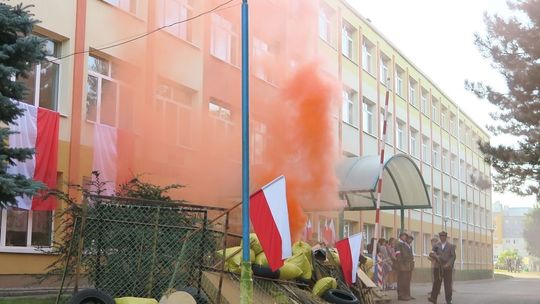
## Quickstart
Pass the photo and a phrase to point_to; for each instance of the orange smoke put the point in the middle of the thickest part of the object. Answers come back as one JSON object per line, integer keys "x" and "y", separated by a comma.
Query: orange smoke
{"x": 186, "y": 140}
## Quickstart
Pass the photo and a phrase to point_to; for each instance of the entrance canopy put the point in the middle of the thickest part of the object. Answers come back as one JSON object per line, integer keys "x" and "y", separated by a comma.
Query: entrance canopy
{"x": 403, "y": 186}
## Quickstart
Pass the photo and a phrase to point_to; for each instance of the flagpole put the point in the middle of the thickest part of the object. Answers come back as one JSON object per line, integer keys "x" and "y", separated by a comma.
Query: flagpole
{"x": 246, "y": 282}
{"x": 379, "y": 182}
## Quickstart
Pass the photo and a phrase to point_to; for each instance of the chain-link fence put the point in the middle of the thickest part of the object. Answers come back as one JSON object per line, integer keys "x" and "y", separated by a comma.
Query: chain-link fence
{"x": 140, "y": 248}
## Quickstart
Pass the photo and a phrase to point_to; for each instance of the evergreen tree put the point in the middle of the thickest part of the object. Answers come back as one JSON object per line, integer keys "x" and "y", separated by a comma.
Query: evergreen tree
{"x": 531, "y": 231}
{"x": 19, "y": 50}
{"x": 513, "y": 46}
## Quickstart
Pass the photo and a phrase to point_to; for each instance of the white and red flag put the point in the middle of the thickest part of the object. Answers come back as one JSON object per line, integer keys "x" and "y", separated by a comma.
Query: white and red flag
{"x": 329, "y": 232}
{"x": 269, "y": 216}
{"x": 308, "y": 230}
{"x": 349, "y": 254}
{"x": 38, "y": 128}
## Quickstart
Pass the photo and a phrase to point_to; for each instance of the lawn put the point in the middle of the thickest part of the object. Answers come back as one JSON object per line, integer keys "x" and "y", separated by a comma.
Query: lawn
{"x": 524, "y": 275}
{"x": 31, "y": 300}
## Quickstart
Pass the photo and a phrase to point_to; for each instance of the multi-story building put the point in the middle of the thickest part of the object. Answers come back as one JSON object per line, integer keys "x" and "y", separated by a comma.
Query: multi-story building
{"x": 169, "y": 104}
{"x": 508, "y": 225}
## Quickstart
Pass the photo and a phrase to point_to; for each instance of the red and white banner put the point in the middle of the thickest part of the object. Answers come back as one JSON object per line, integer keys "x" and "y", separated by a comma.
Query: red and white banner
{"x": 105, "y": 158}
{"x": 38, "y": 128}
{"x": 329, "y": 233}
{"x": 308, "y": 230}
{"x": 269, "y": 216}
{"x": 349, "y": 254}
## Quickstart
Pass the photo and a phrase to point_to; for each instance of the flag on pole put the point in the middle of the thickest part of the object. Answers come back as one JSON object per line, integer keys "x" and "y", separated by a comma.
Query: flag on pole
{"x": 349, "y": 254}
{"x": 270, "y": 219}
{"x": 329, "y": 232}
{"x": 38, "y": 128}
{"x": 308, "y": 230}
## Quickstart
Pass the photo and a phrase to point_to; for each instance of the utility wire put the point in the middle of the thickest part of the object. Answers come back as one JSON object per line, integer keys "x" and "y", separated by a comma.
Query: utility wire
{"x": 137, "y": 37}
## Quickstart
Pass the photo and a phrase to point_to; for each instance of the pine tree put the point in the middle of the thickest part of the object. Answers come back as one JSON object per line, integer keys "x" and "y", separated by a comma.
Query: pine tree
{"x": 19, "y": 50}
{"x": 531, "y": 231}
{"x": 513, "y": 46}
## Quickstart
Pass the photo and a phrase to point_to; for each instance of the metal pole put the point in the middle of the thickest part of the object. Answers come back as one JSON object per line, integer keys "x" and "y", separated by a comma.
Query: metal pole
{"x": 379, "y": 183}
{"x": 246, "y": 290}
{"x": 402, "y": 219}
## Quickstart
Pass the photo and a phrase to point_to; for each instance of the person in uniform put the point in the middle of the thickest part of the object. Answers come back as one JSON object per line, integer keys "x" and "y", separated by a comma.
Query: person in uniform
{"x": 405, "y": 262}
{"x": 444, "y": 255}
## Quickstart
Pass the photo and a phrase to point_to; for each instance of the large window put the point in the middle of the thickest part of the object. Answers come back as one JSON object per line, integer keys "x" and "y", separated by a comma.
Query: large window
{"x": 436, "y": 156}
{"x": 436, "y": 202}
{"x": 414, "y": 143}
{"x": 400, "y": 135}
{"x": 385, "y": 73}
{"x": 424, "y": 99}
{"x": 399, "y": 81}
{"x": 127, "y": 5}
{"x": 435, "y": 111}
{"x": 25, "y": 228}
{"x": 264, "y": 53}
{"x": 326, "y": 16}
{"x": 258, "y": 135}
{"x": 368, "y": 49}
{"x": 42, "y": 80}
{"x": 447, "y": 206}
{"x": 455, "y": 208}
{"x": 224, "y": 40}
{"x": 412, "y": 92}
{"x": 425, "y": 150}
{"x": 174, "y": 103}
{"x": 367, "y": 110}
{"x": 348, "y": 34}
{"x": 415, "y": 242}
{"x": 348, "y": 111}
{"x": 174, "y": 11}
{"x": 427, "y": 244}
{"x": 102, "y": 92}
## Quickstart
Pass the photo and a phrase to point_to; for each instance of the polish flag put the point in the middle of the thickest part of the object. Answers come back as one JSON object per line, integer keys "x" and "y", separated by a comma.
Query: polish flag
{"x": 308, "y": 230}
{"x": 329, "y": 232}
{"x": 270, "y": 219}
{"x": 38, "y": 128}
{"x": 349, "y": 254}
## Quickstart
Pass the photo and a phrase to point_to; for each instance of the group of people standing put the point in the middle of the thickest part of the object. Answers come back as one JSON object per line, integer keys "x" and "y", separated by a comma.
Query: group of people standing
{"x": 397, "y": 259}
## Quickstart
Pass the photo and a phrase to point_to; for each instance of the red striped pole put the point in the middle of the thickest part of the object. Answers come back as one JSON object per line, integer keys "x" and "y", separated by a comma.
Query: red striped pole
{"x": 379, "y": 182}
{"x": 380, "y": 274}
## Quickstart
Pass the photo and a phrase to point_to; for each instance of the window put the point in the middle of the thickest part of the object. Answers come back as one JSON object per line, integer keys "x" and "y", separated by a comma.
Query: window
{"x": 127, "y": 5}
{"x": 258, "y": 135}
{"x": 414, "y": 143}
{"x": 223, "y": 120}
{"x": 399, "y": 81}
{"x": 43, "y": 80}
{"x": 470, "y": 215}
{"x": 367, "y": 55}
{"x": 424, "y": 102}
{"x": 263, "y": 54}
{"x": 444, "y": 161}
{"x": 367, "y": 107}
{"x": 427, "y": 244}
{"x": 400, "y": 136}
{"x": 326, "y": 16}
{"x": 452, "y": 124}
{"x": 348, "y": 111}
{"x": 455, "y": 208}
{"x": 436, "y": 202}
{"x": 415, "y": 242}
{"x": 463, "y": 171}
{"x": 25, "y": 228}
{"x": 368, "y": 232}
{"x": 453, "y": 164}
{"x": 425, "y": 150}
{"x": 174, "y": 103}
{"x": 385, "y": 74}
{"x": 435, "y": 159}
{"x": 434, "y": 111}
{"x": 102, "y": 92}
{"x": 463, "y": 211}
{"x": 173, "y": 11}
{"x": 348, "y": 33}
{"x": 447, "y": 206}
{"x": 224, "y": 40}
{"x": 444, "y": 122}
{"x": 388, "y": 126}
{"x": 412, "y": 92}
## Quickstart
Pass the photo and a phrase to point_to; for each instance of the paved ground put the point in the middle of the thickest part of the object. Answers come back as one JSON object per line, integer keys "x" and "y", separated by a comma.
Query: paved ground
{"x": 500, "y": 291}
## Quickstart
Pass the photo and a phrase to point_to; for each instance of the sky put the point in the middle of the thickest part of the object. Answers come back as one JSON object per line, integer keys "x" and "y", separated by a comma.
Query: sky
{"x": 438, "y": 36}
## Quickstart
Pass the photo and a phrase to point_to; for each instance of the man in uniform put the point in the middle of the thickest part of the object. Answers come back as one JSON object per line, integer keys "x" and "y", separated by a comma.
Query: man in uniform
{"x": 405, "y": 262}
{"x": 444, "y": 255}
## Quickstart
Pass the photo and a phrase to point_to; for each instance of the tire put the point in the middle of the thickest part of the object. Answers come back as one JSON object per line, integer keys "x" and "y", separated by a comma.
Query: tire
{"x": 200, "y": 297}
{"x": 265, "y": 272}
{"x": 91, "y": 296}
{"x": 339, "y": 296}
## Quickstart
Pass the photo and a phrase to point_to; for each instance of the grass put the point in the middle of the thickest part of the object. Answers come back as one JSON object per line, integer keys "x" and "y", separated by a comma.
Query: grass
{"x": 31, "y": 300}
{"x": 523, "y": 275}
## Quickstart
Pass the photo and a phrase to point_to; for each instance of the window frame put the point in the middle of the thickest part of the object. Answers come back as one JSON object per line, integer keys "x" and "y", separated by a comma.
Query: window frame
{"x": 347, "y": 35}
{"x": 29, "y": 248}
{"x": 100, "y": 77}
{"x": 367, "y": 115}
{"x": 176, "y": 30}
{"x": 225, "y": 26}
{"x": 348, "y": 104}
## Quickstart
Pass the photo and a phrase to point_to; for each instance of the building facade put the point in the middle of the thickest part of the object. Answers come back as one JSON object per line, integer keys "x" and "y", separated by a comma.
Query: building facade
{"x": 187, "y": 74}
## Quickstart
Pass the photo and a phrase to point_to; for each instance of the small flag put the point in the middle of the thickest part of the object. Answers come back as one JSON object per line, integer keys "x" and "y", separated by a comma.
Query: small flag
{"x": 349, "y": 254}
{"x": 270, "y": 219}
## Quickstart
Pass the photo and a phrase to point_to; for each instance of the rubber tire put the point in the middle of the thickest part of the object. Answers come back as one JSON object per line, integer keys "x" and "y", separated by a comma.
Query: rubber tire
{"x": 94, "y": 295}
{"x": 340, "y": 296}
{"x": 265, "y": 272}
{"x": 201, "y": 297}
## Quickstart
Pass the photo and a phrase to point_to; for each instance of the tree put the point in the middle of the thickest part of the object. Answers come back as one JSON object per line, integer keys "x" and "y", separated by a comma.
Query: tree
{"x": 531, "y": 231}
{"x": 513, "y": 46}
{"x": 19, "y": 50}
{"x": 509, "y": 260}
